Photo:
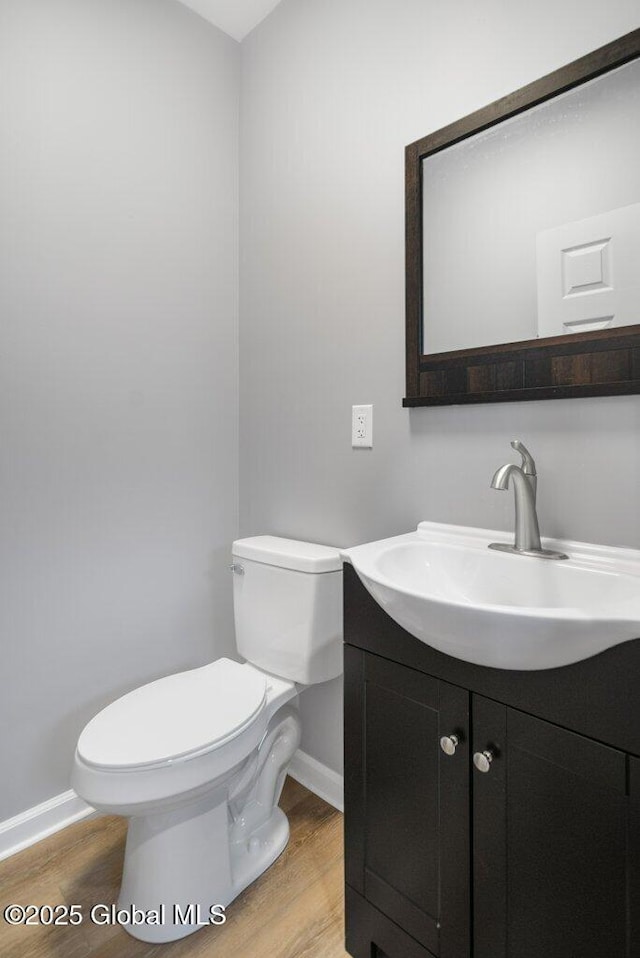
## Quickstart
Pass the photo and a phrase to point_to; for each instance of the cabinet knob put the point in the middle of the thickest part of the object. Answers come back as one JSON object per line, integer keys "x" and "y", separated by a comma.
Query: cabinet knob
{"x": 483, "y": 760}
{"x": 449, "y": 744}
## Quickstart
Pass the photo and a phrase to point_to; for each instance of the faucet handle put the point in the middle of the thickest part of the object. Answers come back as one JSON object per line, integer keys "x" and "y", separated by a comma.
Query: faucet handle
{"x": 528, "y": 463}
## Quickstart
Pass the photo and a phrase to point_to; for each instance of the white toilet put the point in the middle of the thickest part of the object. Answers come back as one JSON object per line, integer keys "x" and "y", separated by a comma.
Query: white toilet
{"x": 197, "y": 760}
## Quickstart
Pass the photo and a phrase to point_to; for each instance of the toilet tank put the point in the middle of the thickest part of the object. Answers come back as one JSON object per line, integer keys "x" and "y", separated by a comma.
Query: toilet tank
{"x": 287, "y": 603}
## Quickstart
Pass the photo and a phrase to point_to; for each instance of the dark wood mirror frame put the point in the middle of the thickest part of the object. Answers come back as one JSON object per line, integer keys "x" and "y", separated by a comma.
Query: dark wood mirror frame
{"x": 602, "y": 363}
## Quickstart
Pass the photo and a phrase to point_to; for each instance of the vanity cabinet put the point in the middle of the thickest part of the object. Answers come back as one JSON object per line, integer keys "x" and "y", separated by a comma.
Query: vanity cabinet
{"x": 409, "y": 823}
{"x": 535, "y": 853}
{"x": 552, "y": 842}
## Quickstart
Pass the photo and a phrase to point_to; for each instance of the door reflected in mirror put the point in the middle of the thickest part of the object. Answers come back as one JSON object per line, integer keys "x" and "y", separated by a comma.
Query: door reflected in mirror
{"x": 531, "y": 228}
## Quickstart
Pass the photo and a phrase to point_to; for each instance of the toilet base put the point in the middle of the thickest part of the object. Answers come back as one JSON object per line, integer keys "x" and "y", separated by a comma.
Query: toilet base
{"x": 267, "y": 843}
{"x": 182, "y": 862}
{"x": 161, "y": 918}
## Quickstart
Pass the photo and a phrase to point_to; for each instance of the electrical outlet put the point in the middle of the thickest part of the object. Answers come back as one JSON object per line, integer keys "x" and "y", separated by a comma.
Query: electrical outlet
{"x": 362, "y": 427}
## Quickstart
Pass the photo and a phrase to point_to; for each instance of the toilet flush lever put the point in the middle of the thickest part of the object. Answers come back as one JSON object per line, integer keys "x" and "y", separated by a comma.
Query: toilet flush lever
{"x": 237, "y": 568}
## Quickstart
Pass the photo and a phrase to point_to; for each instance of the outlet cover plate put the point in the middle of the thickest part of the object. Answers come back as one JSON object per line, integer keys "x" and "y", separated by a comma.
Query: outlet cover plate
{"x": 362, "y": 427}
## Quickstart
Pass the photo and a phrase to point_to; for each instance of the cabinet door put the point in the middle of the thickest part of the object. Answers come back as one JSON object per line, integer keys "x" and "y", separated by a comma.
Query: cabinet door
{"x": 553, "y": 850}
{"x": 407, "y": 821}
{"x": 634, "y": 858}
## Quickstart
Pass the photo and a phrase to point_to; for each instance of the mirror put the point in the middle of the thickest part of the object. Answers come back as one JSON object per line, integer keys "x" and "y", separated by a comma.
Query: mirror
{"x": 523, "y": 235}
{"x": 532, "y": 228}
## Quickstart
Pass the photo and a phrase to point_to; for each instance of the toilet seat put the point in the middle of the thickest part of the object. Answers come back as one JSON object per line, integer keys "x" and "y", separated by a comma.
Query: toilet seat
{"x": 175, "y": 718}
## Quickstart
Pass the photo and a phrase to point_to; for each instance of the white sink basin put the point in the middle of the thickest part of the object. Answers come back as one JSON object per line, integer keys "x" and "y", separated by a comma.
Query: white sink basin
{"x": 444, "y": 586}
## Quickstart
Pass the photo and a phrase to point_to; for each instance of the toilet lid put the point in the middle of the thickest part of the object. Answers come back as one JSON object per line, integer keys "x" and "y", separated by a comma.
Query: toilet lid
{"x": 175, "y": 717}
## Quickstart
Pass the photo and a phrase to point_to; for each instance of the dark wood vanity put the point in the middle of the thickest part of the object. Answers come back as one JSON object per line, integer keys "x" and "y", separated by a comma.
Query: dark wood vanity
{"x": 537, "y": 858}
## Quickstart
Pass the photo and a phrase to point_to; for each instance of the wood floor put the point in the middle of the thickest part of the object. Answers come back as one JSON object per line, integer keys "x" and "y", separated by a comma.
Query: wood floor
{"x": 293, "y": 911}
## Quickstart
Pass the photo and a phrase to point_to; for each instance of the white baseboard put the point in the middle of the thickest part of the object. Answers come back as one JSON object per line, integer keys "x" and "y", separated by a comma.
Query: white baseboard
{"x": 60, "y": 811}
{"x": 40, "y": 821}
{"x": 318, "y": 778}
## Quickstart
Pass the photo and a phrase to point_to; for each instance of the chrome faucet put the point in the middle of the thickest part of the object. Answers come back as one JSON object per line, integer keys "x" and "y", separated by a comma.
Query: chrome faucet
{"x": 524, "y": 477}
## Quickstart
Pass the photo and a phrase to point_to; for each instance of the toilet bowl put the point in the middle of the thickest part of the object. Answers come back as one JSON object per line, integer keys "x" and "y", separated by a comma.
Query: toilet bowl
{"x": 197, "y": 760}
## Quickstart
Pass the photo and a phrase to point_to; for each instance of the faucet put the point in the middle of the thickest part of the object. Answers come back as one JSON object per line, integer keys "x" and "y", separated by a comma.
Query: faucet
{"x": 524, "y": 478}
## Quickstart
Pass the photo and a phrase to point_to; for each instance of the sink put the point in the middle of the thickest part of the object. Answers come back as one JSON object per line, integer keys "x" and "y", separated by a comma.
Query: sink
{"x": 447, "y": 588}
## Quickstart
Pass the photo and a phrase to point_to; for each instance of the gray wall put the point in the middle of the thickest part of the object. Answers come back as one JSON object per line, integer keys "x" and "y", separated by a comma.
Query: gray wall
{"x": 332, "y": 90}
{"x": 118, "y": 363}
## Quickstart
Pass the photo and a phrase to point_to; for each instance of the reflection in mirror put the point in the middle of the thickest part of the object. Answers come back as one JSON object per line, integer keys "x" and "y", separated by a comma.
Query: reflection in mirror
{"x": 532, "y": 228}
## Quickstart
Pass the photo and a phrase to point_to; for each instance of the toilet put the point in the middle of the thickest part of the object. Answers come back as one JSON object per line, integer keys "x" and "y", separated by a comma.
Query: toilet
{"x": 197, "y": 760}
